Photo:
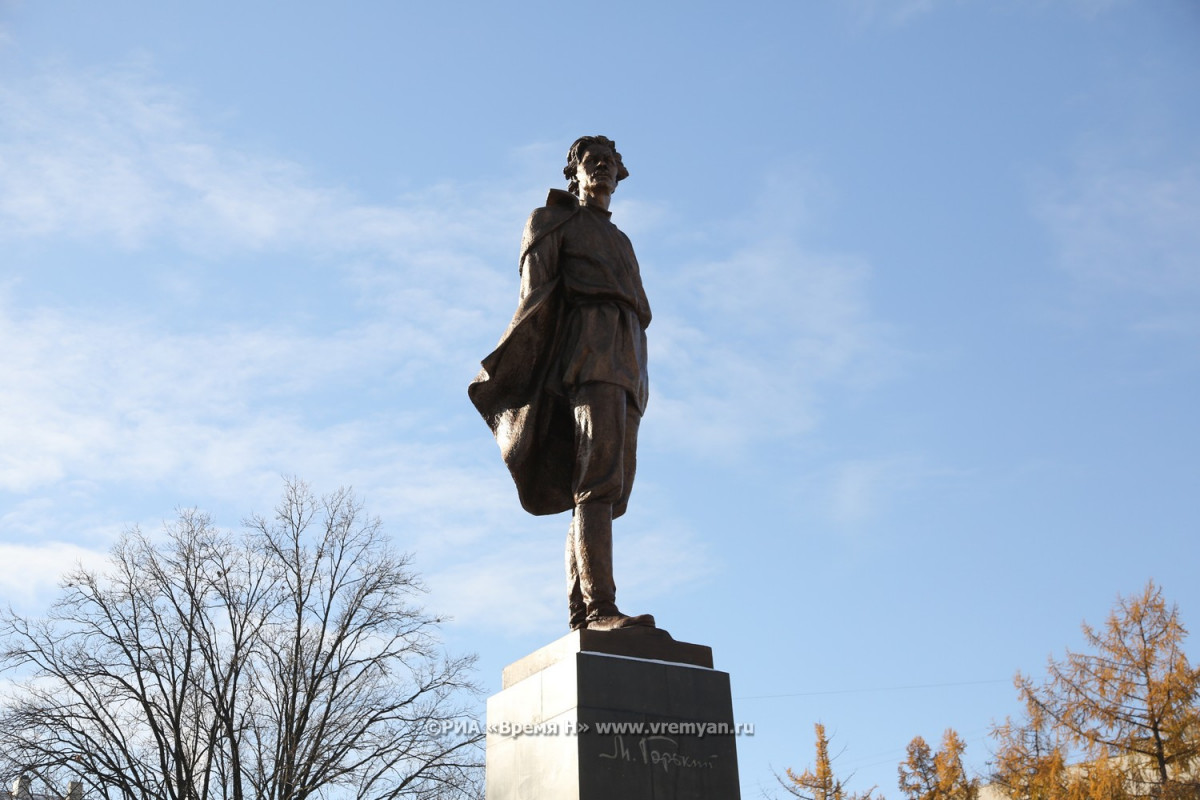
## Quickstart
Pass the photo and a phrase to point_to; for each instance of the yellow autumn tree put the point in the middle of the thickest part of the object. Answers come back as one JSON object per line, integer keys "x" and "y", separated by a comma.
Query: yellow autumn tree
{"x": 926, "y": 775}
{"x": 1100, "y": 778}
{"x": 953, "y": 782}
{"x": 918, "y": 775}
{"x": 1130, "y": 705}
{"x": 1030, "y": 761}
{"x": 819, "y": 783}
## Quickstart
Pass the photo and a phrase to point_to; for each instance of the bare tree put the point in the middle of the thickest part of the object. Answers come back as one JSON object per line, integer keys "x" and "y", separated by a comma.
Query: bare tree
{"x": 282, "y": 663}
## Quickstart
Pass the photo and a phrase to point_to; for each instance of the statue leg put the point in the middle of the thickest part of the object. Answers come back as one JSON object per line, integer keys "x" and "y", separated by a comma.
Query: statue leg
{"x": 594, "y": 558}
{"x": 593, "y": 555}
{"x": 600, "y": 483}
{"x": 575, "y": 603}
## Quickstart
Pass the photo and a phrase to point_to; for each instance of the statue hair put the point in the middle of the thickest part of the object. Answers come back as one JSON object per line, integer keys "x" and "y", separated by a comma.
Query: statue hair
{"x": 577, "y": 149}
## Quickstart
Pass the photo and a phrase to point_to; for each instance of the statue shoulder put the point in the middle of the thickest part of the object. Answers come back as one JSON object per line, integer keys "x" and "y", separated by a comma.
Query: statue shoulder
{"x": 560, "y": 207}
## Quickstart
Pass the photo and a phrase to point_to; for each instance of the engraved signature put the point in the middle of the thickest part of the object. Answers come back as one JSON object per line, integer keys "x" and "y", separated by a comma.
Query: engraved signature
{"x": 655, "y": 751}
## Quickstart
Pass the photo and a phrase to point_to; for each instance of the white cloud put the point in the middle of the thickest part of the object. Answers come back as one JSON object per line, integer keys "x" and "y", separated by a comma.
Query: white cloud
{"x": 76, "y": 155}
{"x": 900, "y": 12}
{"x": 123, "y": 400}
{"x": 752, "y": 343}
{"x": 894, "y": 12}
{"x": 99, "y": 395}
{"x": 117, "y": 159}
{"x": 664, "y": 558}
{"x": 511, "y": 586}
{"x": 1128, "y": 238}
{"x": 518, "y": 584}
{"x": 1130, "y": 230}
{"x": 1094, "y": 8}
{"x": 96, "y": 399}
{"x": 863, "y": 487}
{"x": 32, "y": 572}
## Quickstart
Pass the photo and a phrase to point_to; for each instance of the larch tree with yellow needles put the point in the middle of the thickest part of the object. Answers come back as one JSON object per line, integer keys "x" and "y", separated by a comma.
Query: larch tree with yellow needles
{"x": 1130, "y": 704}
{"x": 926, "y": 775}
{"x": 819, "y": 783}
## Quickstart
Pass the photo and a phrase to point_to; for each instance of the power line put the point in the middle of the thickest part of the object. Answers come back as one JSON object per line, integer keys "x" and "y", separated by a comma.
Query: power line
{"x": 874, "y": 689}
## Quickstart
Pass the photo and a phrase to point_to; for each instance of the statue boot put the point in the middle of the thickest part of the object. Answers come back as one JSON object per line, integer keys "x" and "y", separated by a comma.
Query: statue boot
{"x": 592, "y": 528}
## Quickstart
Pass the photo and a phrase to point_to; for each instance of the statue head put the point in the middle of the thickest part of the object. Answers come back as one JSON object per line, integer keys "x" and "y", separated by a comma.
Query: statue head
{"x": 576, "y": 153}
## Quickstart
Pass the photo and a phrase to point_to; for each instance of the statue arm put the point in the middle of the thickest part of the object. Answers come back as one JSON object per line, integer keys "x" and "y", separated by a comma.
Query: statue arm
{"x": 539, "y": 259}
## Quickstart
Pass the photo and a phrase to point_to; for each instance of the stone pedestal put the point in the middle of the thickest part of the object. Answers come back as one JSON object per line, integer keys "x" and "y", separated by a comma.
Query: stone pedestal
{"x": 620, "y": 715}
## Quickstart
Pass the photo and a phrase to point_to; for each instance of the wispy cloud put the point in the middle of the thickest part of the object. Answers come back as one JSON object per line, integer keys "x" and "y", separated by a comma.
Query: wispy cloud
{"x": 30, "y": 573}
{"x": 519, "y": 585}
{"x": 893, "y": 12}
{"x": 116, "y": 154}
{"x": 117, "y": 160}
{"x": 901, "y": 12}
{"x": 862, "y": 489}
{"x": 1128, "y": 238}
{"x": 127, "y": 401}
{"x": 751, "y": 344}
{"x": 97, "y": 398}
{"x": 514, "y": 588}
{"x": 1094, "y": 8}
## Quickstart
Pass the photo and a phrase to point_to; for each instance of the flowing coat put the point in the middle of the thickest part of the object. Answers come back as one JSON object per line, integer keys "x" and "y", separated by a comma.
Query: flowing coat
{"x": 596, "y": 334}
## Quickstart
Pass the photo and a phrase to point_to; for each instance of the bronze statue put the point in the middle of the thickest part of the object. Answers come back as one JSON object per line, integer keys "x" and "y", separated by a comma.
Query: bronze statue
{"x": 565, "y": 389}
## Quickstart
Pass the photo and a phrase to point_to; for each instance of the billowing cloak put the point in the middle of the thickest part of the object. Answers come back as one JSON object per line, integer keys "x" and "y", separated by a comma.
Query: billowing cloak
{"x": 534, "y": 427}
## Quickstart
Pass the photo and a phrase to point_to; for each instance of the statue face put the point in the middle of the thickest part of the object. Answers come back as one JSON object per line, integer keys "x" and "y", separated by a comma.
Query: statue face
{"x": 597, "y": 171}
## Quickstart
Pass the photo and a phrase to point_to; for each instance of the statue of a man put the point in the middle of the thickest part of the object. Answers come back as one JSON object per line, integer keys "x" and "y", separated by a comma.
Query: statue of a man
{"x": 565, "y": 389}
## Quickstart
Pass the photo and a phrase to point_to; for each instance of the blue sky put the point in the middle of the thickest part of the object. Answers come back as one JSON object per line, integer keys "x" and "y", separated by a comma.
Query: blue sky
{"x": 924, "y": 360}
